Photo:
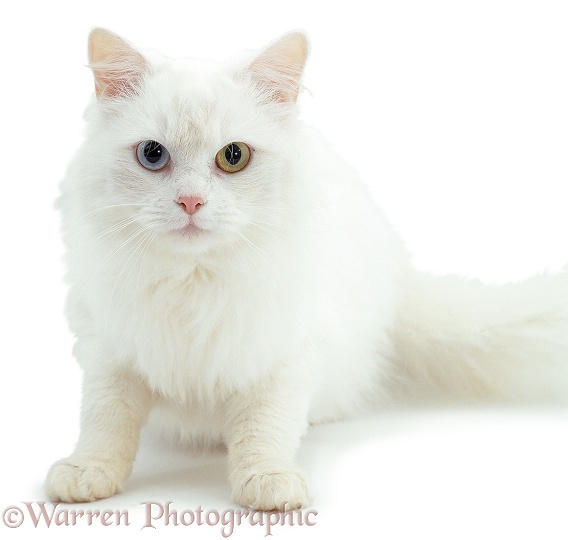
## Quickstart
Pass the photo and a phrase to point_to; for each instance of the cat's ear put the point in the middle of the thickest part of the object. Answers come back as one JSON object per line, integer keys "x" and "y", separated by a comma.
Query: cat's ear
{"x": 279, "y": 68}
{"x": 117, "y": 66}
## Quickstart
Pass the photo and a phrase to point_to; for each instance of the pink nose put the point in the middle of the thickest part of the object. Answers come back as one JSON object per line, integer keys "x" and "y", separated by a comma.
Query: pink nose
{"x": 190, "y": 205}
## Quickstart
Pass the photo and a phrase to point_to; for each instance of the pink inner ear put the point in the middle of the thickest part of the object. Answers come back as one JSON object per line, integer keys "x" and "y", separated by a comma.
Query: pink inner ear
{"x": 117, "y": 66}
{"x": 279, "y": 68}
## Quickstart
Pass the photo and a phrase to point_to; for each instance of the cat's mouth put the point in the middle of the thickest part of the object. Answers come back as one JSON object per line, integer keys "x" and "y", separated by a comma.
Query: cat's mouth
{"x": 190, "y": 229}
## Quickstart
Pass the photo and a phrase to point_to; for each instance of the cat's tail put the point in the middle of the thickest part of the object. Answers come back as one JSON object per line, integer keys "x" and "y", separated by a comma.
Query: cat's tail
{"x": 458, "y": 338}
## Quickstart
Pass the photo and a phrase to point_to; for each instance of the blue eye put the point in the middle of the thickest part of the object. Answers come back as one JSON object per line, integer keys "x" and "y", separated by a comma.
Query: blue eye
{"x": 152, "y": 155}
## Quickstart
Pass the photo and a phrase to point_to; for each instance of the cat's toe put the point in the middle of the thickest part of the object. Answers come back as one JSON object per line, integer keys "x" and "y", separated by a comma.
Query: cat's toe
{"x": 272, "y": 490}
{"x": 81, "y": 480}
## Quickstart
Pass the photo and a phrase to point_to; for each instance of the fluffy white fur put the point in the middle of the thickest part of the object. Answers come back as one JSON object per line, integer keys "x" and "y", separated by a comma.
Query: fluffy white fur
{"x": 295, "y": 304}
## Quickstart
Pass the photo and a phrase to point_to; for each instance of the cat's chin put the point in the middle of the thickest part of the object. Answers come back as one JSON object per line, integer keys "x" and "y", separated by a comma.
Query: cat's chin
{"x": 188, "y": 239}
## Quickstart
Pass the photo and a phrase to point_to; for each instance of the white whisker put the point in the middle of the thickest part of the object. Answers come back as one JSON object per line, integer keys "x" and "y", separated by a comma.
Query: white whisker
{"x": 251, "y": 243}
{"x": 149, "y": 239}
{"x": 130, "y": 253}
{"x": 100, "y": 209}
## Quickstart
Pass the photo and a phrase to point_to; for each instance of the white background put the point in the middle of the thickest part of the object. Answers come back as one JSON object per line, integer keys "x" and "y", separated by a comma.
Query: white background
{"x": 456, "y": 114}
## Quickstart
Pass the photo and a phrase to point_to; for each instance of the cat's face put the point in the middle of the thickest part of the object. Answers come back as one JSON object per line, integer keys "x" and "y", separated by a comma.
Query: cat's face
{"x": 195, "y": 152}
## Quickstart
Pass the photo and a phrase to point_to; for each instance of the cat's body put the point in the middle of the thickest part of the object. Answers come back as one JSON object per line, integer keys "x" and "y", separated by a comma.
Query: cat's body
{"x": 248, "y": 304}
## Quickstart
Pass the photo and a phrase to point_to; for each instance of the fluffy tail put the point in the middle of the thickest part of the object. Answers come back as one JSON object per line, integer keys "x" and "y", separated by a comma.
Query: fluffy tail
{"x": 461, "y": 339}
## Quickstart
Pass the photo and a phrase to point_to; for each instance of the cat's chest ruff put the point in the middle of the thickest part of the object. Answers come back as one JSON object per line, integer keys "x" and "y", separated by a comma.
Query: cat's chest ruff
{"x": 197, "y": 333}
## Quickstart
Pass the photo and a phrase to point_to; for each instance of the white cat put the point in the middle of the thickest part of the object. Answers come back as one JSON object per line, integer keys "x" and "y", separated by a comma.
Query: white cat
{"x": 228, "y": 269}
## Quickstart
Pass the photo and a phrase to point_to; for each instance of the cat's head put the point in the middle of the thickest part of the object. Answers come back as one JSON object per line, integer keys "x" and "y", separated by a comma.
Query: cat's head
{"x": 196, "y": 152}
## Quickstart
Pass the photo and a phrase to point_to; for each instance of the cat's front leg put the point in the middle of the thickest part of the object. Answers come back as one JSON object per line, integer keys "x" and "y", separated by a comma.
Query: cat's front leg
{"x": 115, "y": 405}
{"x": 264, "y": 429}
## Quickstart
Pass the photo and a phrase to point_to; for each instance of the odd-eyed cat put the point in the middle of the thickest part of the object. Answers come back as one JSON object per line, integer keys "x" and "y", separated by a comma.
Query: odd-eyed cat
{"x": 227, "y": 268}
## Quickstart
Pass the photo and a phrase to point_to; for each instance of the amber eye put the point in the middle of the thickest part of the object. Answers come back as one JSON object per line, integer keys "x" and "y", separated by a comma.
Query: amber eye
{"x": 233, "y": 157}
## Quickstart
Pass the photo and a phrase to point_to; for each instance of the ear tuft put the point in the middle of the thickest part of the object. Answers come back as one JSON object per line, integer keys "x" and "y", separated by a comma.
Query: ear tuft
{"x": 117, "y": 66}
{"x": 280, "y": 66}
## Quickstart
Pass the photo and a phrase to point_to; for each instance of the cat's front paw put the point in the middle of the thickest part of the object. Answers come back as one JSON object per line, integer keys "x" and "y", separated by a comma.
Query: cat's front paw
{"x": 77, "y": 479}
{"x": 269, "y": 490}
